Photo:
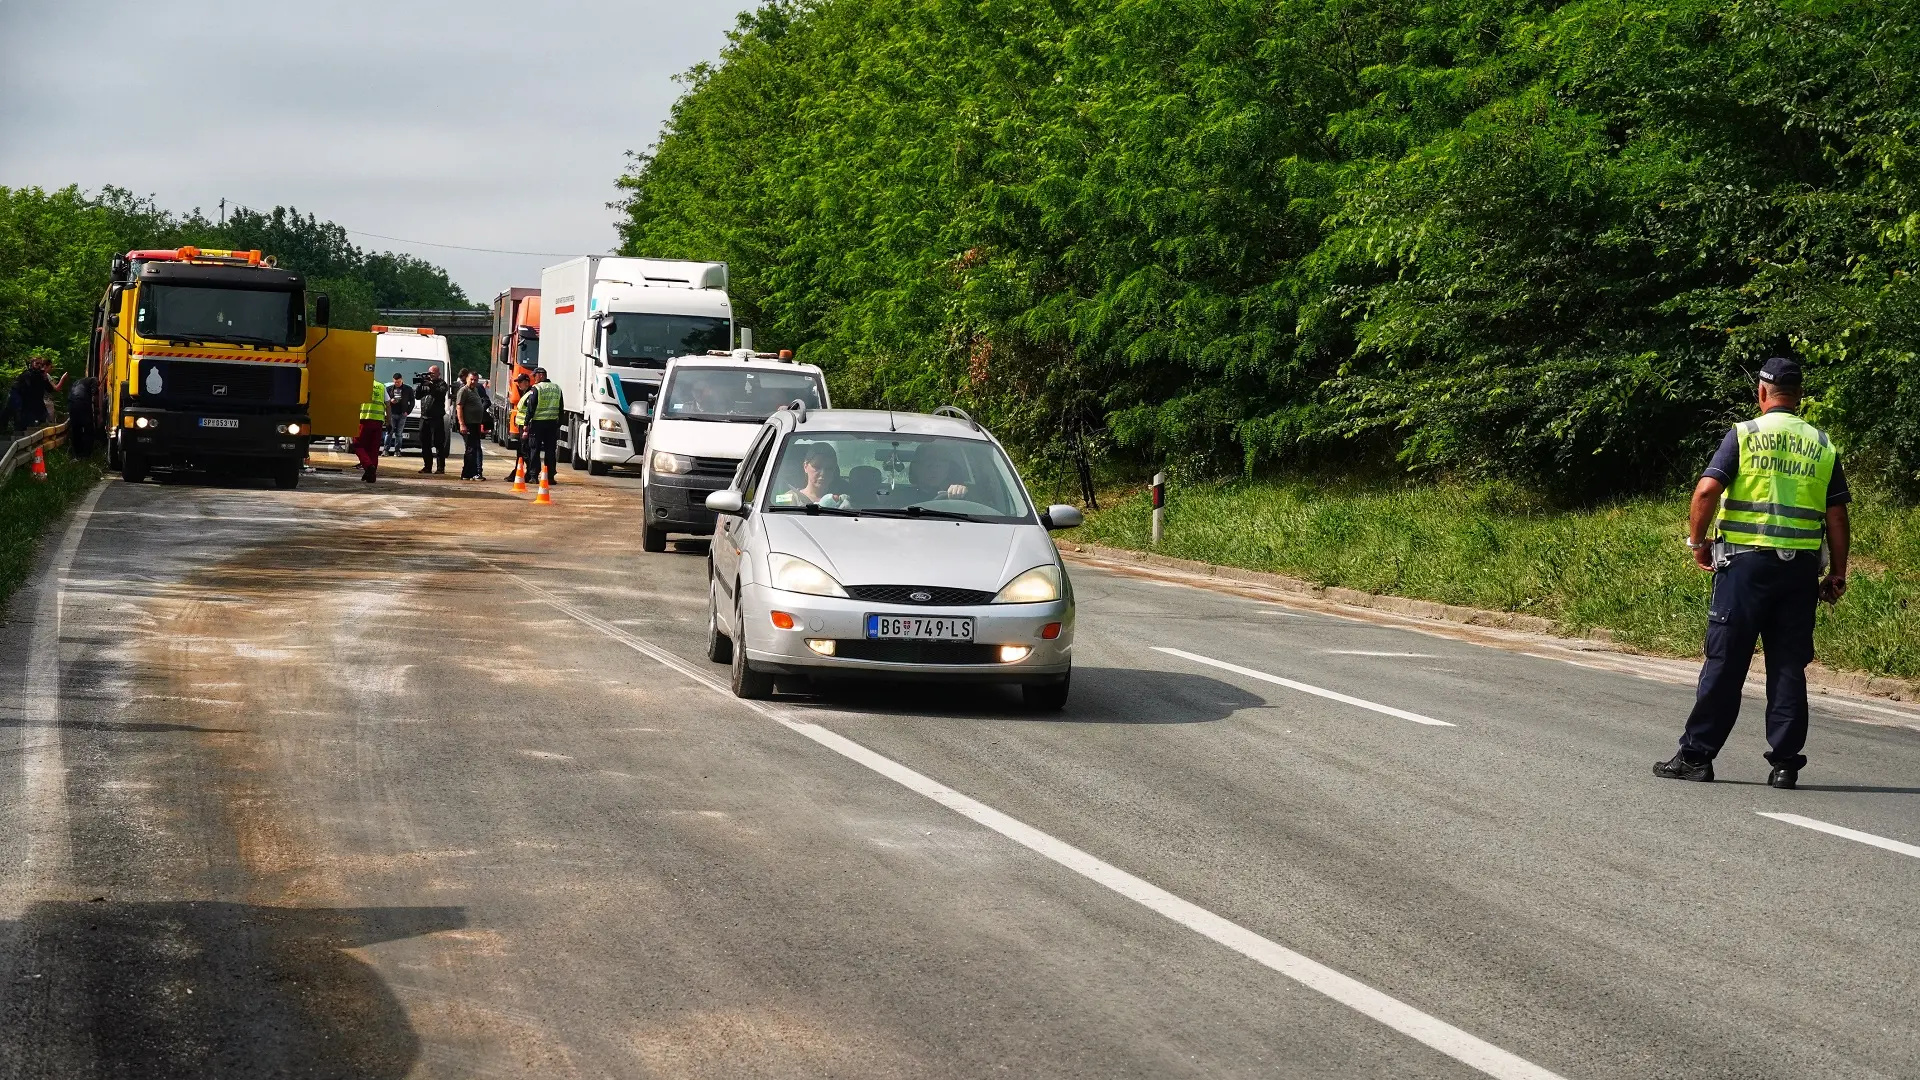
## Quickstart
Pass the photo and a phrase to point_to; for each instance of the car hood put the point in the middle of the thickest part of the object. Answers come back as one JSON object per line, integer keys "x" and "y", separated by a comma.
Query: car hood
{"x": 702, "y": 438}
{"x": 892, "y": 551}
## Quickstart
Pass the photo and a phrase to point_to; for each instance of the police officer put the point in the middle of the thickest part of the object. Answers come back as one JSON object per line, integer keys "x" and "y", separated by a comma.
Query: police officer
{"x": 543, "y": 422}
{"x": 522, "y": 438}
{"x": 1784, "y": 494}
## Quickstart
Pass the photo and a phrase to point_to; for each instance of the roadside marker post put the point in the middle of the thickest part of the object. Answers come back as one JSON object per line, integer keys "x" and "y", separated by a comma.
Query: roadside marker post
{"x": 1159, "y": 490}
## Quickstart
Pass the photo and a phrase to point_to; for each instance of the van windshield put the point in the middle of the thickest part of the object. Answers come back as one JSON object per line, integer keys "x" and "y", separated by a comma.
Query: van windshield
{"x": 649, "y": 341}
{"x": 733, "y": 395}
{"x": 234, "y": 316}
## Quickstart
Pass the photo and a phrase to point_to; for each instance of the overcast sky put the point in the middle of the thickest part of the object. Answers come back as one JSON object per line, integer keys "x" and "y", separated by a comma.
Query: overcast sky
{"x": 480, "y": 123}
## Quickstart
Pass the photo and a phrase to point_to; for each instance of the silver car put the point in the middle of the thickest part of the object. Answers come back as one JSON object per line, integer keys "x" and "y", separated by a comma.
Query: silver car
{"x": 886, "y": 545}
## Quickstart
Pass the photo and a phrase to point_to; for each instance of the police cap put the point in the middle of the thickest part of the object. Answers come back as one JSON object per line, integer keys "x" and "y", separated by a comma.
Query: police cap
{"x": 1781, "y": 371}
{"x": 542, "y": 371}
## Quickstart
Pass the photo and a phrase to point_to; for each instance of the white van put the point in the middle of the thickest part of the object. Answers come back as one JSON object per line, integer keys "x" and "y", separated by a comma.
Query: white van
{"x": 408, "y": 352}
{"x": 705, "y": 418}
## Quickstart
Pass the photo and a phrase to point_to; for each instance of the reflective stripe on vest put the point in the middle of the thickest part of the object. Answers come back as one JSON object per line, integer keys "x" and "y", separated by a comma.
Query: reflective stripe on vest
{"x": 546, "y": 401}
{"x": 377, "y": 408}
{"x": 1779, "y": 497}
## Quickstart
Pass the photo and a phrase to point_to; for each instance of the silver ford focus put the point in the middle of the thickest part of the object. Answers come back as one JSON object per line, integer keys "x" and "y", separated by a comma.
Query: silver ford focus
{"x": 856, "y": 544}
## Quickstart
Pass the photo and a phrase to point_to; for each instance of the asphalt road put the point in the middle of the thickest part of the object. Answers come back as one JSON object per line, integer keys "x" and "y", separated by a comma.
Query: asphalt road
{"x": 417, "y": 779}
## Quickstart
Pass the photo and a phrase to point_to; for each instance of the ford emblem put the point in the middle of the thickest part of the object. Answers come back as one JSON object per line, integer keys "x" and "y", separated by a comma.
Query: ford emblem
{"x": 920, "y": 597}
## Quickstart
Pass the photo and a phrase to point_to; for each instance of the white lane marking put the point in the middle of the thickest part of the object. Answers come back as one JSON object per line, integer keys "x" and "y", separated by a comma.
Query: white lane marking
{"x": 1374, "y": 652}
{"x": 1305, "y": 688}
{"x": 1850, "y": 834}
{"x": 1843, "y": 703}
{"x": 1457, "y": 1044}
{"x": 43, "y": 795}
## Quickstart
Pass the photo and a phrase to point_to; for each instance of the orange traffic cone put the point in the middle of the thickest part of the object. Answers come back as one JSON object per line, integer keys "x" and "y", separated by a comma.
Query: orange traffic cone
{"x": 543, "y": 499}
{"x": 39, "y": 464}
{"x": 520, "y": 475}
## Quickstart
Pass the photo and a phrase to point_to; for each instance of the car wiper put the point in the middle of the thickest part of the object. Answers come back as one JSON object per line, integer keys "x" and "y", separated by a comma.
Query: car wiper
{"x": 182, "y": 341}
{"x": 921, "y": 511}
{"x": 816, "y": 508}
{"x": 237, "y": 339}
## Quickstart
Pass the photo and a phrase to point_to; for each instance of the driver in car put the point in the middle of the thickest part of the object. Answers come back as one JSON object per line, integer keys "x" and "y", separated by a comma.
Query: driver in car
{"x": 822, "y": 468}
{"x": 935, "y": 471}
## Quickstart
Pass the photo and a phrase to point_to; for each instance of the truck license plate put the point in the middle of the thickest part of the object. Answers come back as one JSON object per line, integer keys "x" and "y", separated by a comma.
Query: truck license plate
{"x": 215, "y": 421}
{"x": 920, "y": 627}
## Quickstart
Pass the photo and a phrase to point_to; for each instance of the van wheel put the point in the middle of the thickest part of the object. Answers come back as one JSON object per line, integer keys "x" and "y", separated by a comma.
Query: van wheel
{"x": 747, "y": 683}
{"x": 1046, "y": 697}
{"x": 652, "y": 539}
{"x": 133, "y": 466}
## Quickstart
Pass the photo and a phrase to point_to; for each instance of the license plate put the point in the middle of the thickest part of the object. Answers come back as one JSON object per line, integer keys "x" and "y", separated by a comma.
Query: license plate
{"x": 920, "y": 627}
{"x": 212, "y": 421}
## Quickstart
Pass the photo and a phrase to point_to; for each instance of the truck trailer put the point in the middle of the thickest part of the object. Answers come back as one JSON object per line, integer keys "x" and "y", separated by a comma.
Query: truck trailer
{"x": 205, "y": 360}
{"x": 608, "y": 326}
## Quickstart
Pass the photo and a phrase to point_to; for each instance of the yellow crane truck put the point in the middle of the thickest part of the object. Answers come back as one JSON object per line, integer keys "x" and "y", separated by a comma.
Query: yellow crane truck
{"x": 205, "y": 360}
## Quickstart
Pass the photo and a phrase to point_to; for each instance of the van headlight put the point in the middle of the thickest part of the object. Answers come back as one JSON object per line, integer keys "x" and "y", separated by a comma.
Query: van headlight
{"x": 664, "y": 462}
{"x": 1036, "y": 586}
{"x": 799, "y": 575}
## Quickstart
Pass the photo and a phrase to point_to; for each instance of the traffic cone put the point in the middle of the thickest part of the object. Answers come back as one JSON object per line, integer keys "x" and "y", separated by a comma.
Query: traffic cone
{"x": 543, "y": 499}
{"x": 520, "y": 475}
{"x": 39, "y": 464}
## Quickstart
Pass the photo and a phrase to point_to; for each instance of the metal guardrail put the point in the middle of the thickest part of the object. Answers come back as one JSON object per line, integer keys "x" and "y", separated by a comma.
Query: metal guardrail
{"x": 22, "y": 449}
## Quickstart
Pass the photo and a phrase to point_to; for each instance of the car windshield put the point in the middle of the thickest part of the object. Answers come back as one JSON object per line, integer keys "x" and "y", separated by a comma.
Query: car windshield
{"x": 637, "y": 340}
{"x": 884, "y": 473}
{"x": 736, "y": 395}
{"x": 239, "y": 316}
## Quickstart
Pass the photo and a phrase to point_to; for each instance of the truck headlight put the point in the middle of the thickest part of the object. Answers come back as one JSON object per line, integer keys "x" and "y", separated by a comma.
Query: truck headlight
{"x": 1036, "y": 586}
{"x": 608, "y": 424}
{"x": 799, "y": 575}
{"x": 664, "y": 462}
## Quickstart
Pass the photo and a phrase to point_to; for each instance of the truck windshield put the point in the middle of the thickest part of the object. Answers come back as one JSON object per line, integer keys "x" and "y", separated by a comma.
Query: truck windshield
{"x": 731, "y": 394}
{"x": 238, "y": 316}
{"x": 529, "y": 351}
{"x": 647, "y": 341}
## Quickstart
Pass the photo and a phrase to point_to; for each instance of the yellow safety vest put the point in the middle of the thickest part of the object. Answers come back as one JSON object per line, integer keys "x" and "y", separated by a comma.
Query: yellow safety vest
{"x": 1778, "y": 499}
{"x": 375, "y": 409}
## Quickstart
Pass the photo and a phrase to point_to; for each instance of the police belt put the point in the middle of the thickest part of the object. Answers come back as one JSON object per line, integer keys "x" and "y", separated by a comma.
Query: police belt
{"x": 1725, "y": 550}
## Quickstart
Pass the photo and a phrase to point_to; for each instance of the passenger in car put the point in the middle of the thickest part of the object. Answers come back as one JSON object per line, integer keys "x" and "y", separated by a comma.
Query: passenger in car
{"x": 820, "y": 467}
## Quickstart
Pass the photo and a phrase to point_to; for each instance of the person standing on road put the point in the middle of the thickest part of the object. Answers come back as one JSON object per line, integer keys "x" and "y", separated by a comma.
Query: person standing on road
{"x": 470, "y": 411}
{"x": 399, "y": 407}
{"x": 433, "y": 397}
{"x": 373, "y": 420}
{"x": 522, "y": 406}
{"x": 1785, "y": 500}
{"x": 543, "y": 422}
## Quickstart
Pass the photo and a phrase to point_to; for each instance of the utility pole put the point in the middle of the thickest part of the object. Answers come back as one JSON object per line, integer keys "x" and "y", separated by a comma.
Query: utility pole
{"x": 223, "y": 210}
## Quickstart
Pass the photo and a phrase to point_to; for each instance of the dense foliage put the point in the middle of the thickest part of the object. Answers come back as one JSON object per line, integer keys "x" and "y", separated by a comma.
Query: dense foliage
{"x": 56, "y": 249}
{"x": 1548, "y": 241}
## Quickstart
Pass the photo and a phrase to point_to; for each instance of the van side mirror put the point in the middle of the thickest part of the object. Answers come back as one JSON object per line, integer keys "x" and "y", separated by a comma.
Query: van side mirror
{"x": 1062, "y": 516}
{"x": 725, "y": 502}
{"x": 322, "y": 310}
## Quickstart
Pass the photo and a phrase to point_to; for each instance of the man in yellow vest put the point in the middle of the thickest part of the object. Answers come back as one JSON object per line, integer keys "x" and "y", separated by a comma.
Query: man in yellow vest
{"x": 373, "y": 424}
{"x": 543, "y": 423}
{"x": 1776, "y": 498}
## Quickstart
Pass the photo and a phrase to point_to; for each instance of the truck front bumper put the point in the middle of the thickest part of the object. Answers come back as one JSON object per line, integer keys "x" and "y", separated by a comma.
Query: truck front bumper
{"x": 176, "y": 438}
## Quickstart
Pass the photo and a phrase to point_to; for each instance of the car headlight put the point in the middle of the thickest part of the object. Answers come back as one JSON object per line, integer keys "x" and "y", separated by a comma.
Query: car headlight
{"x": 664, "y": 462}
{"x": 608, "y": 424}
{"x": 1036, "y": 586}
{"x": 799, "y": 575}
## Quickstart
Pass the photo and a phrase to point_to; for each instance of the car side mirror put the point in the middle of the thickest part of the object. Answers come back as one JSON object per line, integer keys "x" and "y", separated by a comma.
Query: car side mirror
{"x": 322, "y": 310}
{"x": 1062, "y": 516}
{"x": 725, "y": 502}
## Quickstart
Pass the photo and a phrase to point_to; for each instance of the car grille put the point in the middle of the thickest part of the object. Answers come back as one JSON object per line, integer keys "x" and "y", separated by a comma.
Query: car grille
{"x": 917, "y": 652}
{"x": 715, "y": 468}
{"x": 903, "y": 594}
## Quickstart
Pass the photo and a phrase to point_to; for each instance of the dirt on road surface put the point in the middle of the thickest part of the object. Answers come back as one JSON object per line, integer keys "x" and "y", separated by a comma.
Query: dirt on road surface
{"x": 416, "y": 779}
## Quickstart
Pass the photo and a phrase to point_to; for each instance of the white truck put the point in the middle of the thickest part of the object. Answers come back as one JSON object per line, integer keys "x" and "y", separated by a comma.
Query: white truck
{"x": 705, "y": 418}
{"x": 608, "y": 326}
{"x": 408, "y": 351}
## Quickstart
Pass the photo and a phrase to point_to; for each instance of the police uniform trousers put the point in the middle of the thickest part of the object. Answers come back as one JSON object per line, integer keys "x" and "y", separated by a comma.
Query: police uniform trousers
{"x": 542, "y": 439}
{"x": 1757, "y": 596}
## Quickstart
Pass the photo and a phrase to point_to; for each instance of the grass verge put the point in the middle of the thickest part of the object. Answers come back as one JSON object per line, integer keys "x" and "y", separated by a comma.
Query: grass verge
{"x": 1620, "y": 567}
{"x": 28, "y": 506}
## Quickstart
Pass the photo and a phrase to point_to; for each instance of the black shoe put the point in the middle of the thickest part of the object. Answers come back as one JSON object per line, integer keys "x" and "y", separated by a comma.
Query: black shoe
{"x": 1783, "y": 777}
{"x": 367, "y": 475}
{"x": 426, "y": 470}
{"x": 1680, "y": 768}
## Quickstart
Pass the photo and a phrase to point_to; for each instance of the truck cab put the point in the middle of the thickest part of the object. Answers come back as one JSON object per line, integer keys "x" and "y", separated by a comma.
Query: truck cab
{"x": 201, "y": 359}
{"x": 516, "y": 352}
{"x": 704, "y": 419}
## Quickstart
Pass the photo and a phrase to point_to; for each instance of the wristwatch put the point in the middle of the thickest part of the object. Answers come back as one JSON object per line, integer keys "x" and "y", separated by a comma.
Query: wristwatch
{"x": 1691, "y": 546}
